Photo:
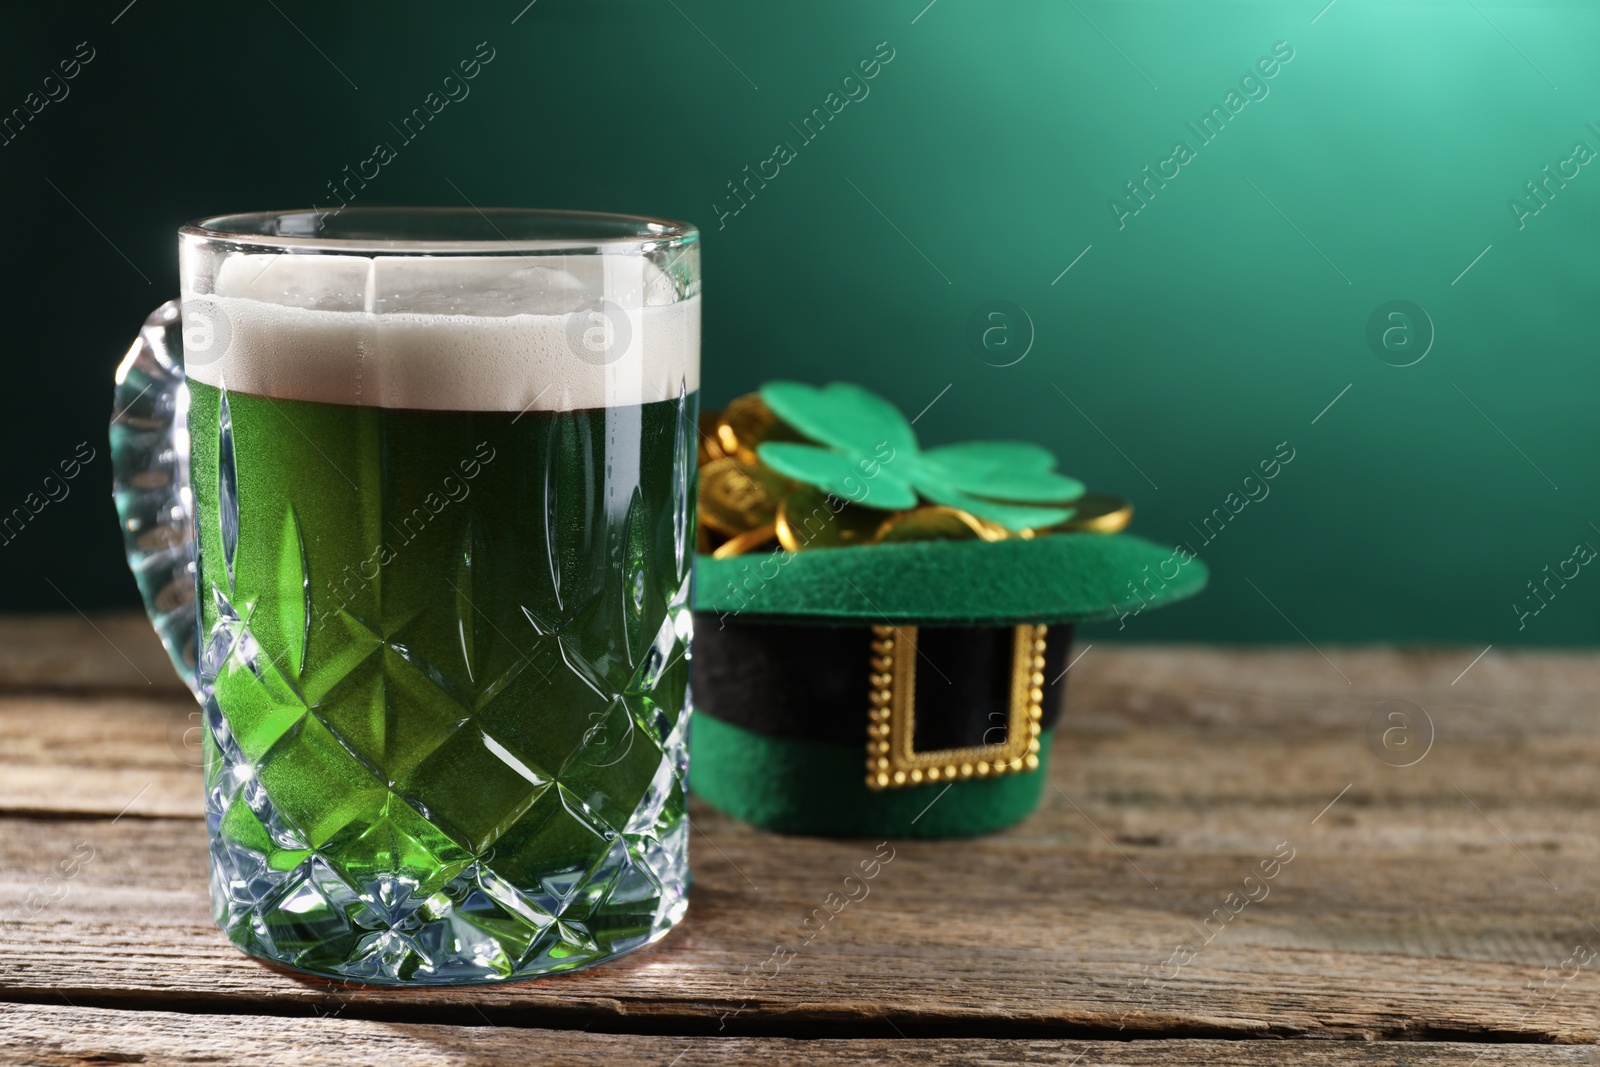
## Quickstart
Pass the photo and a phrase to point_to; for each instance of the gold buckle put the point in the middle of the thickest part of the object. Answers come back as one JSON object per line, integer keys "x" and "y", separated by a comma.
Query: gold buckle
{"x": 893, "y": 762}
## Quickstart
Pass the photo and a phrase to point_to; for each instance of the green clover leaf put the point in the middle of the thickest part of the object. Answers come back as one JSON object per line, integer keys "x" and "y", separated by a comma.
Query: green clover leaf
{"x": 842, "y": 415}
{"x": 1002, "y": 470}
{"x": 872, "y": 458}
{"x": 845, "y": 475}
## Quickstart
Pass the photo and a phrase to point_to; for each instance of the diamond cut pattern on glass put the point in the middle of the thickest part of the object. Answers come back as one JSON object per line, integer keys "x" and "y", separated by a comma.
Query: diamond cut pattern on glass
{"x": 467, "y": 770}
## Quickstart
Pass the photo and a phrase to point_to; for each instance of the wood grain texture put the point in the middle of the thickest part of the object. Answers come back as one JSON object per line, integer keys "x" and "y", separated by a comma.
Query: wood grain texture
{"x": 1441, "y": 901}
{"x": 75, "y": 1037}
{"x": 74, "y": 653}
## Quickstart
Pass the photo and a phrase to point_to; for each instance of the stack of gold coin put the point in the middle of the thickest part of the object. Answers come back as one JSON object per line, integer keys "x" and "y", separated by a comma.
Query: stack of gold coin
{"x": 739, "y": 495}
{"x": 739, "y": 505}
{"x": 745, "y": 424}
{"x": 745, "y": 505}
{"x": 710, "y": 443}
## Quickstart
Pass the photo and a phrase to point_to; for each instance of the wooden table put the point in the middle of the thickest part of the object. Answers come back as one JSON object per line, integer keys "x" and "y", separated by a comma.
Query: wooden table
{"x": 1443, "y": 912}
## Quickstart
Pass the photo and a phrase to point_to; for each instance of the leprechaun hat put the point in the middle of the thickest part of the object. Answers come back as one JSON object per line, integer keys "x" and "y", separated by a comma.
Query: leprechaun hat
{"x": 883, "y": 632}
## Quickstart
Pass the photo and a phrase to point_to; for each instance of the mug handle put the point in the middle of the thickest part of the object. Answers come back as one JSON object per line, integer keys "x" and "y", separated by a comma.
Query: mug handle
{"x": 150, "y": 483}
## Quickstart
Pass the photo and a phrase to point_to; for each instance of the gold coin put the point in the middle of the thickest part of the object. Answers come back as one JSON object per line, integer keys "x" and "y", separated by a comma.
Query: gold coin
{"x": 809, "y": 518}
{"x": 736, "y": 498}
{"x": 748, "y": 541}
{"x": 937, "y": 523}
{"x": 746, "y": 422}
{"x": 993, "y": 531}
{"x": 710, "y": 447}
{"x": 1096, "y": 513}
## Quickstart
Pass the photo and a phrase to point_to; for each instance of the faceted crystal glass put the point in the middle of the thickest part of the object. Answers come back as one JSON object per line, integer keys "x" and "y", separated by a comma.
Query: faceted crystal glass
{"x": 441, "y": 472}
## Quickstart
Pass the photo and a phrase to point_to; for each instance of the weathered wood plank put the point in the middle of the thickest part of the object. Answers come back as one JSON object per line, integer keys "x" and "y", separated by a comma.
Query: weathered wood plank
{"x": 1353, "y": 940}
{"x": 100, "y": 754}
{"x": 72, "y": 1037}
{"x": 74, "y": 652}
{"x": 1331, "y": 952}
{"x": 1439, "y": 900}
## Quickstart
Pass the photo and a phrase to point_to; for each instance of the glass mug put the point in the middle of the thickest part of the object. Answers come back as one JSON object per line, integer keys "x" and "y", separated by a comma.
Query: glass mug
{"x": 409, "y": 494}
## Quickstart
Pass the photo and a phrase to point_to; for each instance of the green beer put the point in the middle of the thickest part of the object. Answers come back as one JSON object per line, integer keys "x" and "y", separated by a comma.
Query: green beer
{"x": 443, "y": 648}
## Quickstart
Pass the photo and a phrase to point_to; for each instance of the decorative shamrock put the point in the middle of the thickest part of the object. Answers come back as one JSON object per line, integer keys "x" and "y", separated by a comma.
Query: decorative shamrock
{"x": 872, "y": 458}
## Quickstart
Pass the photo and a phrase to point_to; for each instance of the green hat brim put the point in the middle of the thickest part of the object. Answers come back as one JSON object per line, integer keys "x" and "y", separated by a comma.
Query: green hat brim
{"x": 1056, "y": 578}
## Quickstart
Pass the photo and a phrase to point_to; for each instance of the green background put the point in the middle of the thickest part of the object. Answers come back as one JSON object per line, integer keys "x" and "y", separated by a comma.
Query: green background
{"x": 1173, "y": 356}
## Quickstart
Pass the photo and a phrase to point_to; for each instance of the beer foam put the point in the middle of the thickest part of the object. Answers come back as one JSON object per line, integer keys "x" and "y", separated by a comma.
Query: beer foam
{"x": 448, "y": 333}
